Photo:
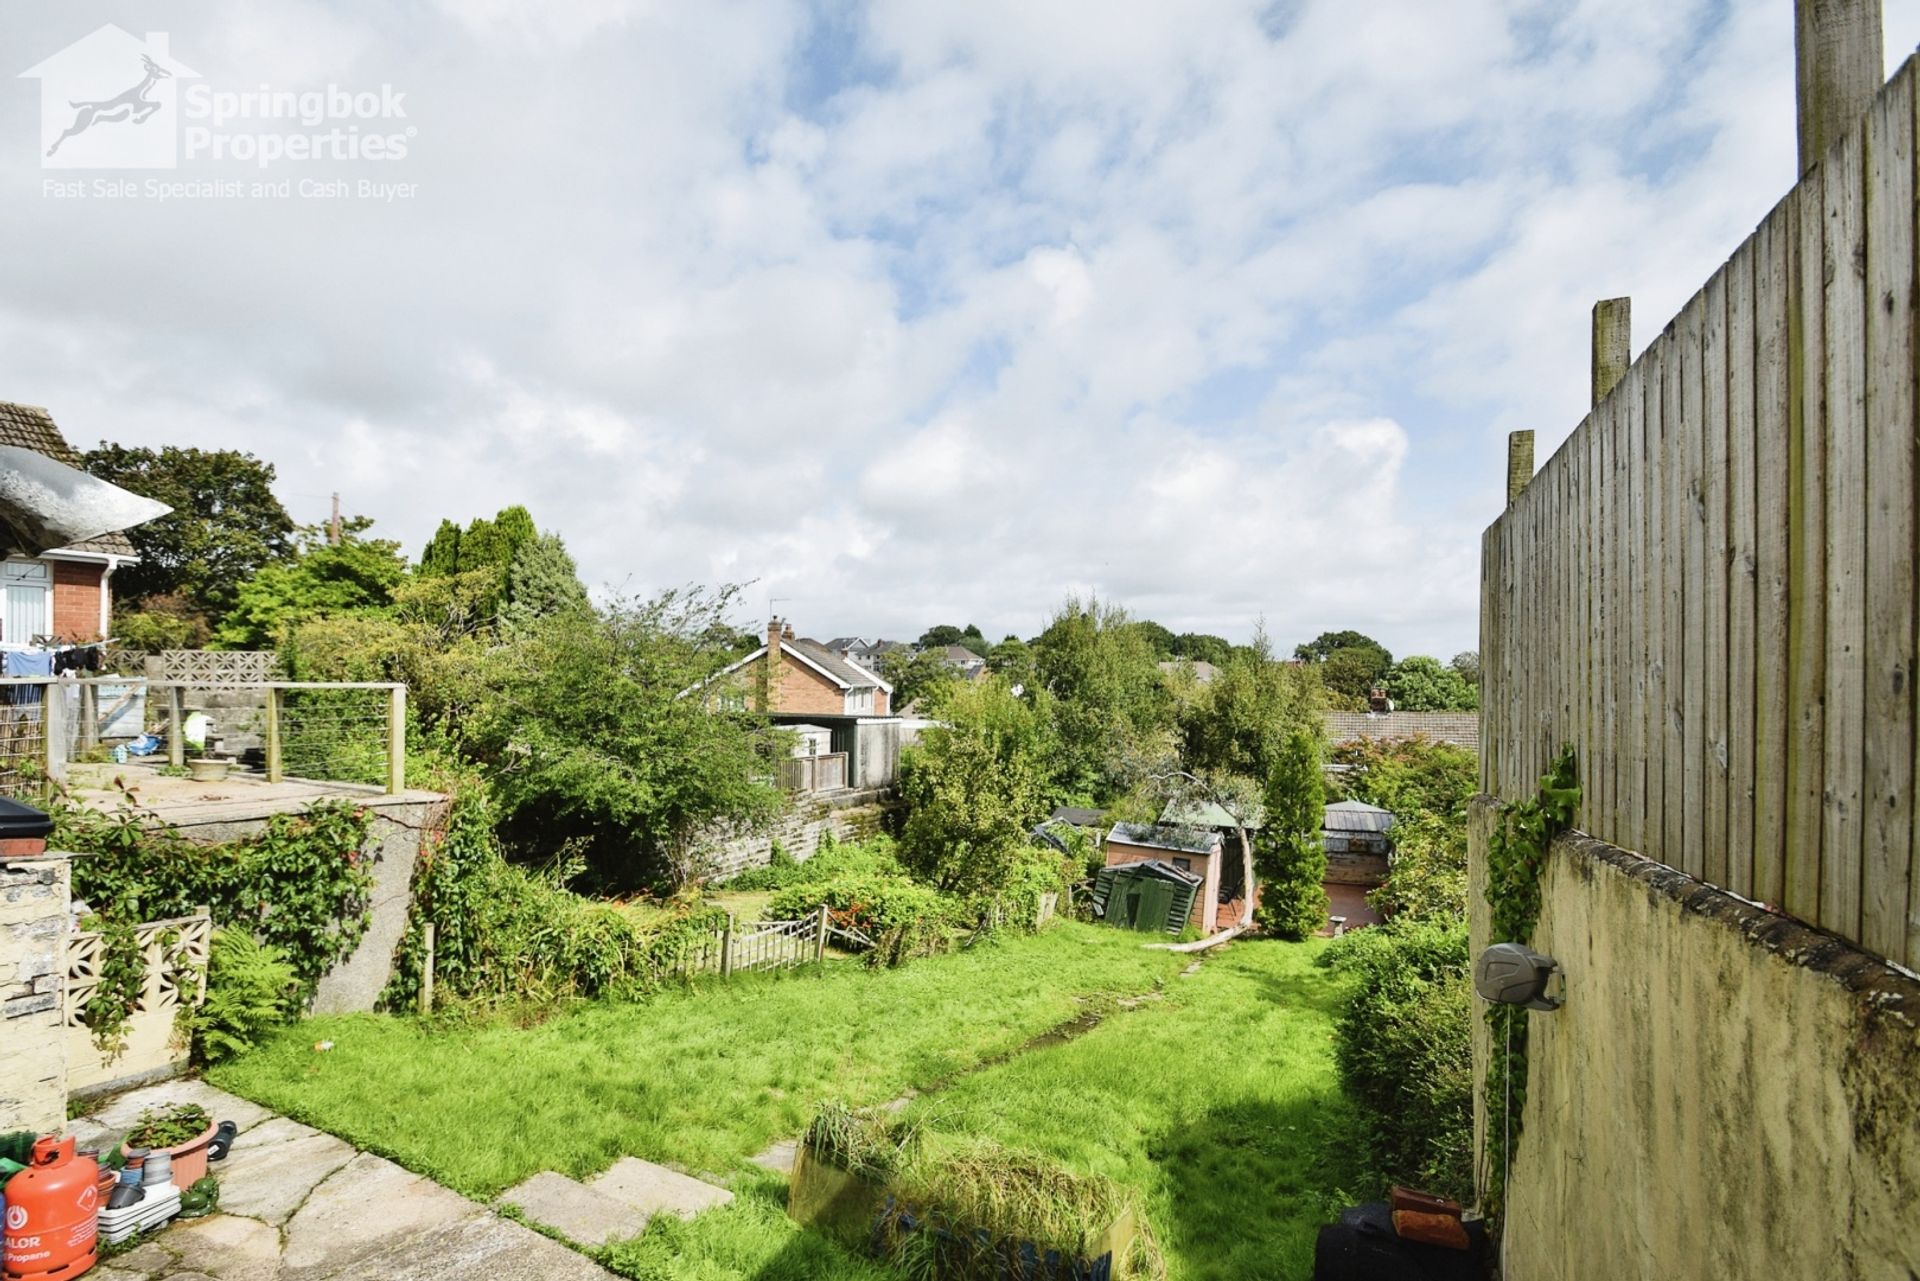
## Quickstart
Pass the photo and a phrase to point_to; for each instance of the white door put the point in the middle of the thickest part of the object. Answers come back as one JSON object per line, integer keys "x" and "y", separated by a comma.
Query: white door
{"x": 29, "y": 604}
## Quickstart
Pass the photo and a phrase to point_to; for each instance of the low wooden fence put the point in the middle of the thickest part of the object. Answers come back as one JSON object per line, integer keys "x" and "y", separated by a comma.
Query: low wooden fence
{"x": 1709, "y": 590}
{"x": 742, "y": 947}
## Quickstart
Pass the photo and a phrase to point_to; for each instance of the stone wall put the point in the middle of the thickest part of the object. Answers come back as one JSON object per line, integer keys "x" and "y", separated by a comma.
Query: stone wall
{"x": 849, "y": 816}
{"x": 1726, "y": 1092}
{"x": 34, "y": 897}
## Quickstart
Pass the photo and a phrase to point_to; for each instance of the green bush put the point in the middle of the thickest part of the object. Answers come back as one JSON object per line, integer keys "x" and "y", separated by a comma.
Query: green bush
{"x": 1404, "y": 1051}
{"x": 902, "y": 917}
{"x": 251, "y": 988}
{"x": 506, "y": 935}
{"x": 875, "y": 856}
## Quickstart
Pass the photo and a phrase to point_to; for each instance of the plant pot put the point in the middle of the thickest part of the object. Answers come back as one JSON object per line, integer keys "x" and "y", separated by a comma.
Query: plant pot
{"x": 209, "y": 769}
{"x": 189, "y": 1158}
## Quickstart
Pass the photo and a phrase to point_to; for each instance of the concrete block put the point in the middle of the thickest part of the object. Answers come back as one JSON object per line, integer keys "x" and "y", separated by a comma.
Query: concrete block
{"x": 575, "y": 1210}
{"x": 21, "y": 1006}
{"x": 654, "y": 1188}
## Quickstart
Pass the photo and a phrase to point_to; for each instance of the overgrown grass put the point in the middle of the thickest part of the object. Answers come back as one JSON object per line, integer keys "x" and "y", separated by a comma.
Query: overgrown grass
{"x": 1215, "y": 1101}
{"x": 1219, "y": 1104}
{"x": 703, "y": 1079}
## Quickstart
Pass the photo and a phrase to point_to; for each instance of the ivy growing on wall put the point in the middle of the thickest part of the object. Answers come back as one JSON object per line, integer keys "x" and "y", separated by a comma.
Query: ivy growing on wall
{"x": 1516, "y": 857}
{"x": 299, "y": 884}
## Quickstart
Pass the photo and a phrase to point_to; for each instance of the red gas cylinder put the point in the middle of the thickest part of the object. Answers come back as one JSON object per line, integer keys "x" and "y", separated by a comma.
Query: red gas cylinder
{"x": 52, "y": 1207}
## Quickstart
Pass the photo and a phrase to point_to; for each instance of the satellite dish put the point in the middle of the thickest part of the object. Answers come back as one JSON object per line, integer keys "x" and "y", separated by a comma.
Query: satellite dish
{"x": 48, "y": 504}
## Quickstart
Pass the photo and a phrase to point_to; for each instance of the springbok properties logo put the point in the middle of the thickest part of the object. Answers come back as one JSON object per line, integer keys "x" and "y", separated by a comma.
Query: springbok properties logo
{"x": 111, "y": 100}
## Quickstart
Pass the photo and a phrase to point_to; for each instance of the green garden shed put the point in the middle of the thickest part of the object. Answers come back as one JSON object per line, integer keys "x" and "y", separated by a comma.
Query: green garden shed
{"x": 1150, "y": 896}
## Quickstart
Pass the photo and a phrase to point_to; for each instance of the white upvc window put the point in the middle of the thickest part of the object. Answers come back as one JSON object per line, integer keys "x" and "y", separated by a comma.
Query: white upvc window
{"x": 860, "y": 700}
{"x": 29, "y": 602}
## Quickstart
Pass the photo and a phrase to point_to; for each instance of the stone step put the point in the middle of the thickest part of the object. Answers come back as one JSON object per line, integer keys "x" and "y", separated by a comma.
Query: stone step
{"x": 651, "y": 1188}
{"x": 779, "y": 1156}
{"x": 576, "y": 1210}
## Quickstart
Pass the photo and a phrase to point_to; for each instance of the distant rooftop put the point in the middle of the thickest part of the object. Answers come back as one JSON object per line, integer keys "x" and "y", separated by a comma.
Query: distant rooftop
{"x": 1164, "y": 836}
{"x": 1459, "y": 728}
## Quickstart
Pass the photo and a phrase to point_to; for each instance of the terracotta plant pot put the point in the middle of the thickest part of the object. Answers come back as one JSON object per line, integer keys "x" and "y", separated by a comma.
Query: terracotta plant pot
{"x": 209, "y": 769}
{"x": 189, "y": 1158}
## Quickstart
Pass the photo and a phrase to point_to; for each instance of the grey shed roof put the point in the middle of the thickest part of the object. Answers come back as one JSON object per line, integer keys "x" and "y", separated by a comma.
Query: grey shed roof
{"x": 1356, "y": 816}
{"x": 1075, "y": 815}
{"x": 31, "y": 427}
{"x": 1166, "y": 836}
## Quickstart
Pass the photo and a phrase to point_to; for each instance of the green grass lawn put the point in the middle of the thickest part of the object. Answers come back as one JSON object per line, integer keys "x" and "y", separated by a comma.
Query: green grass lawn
{"x": 1217, "y": 1100}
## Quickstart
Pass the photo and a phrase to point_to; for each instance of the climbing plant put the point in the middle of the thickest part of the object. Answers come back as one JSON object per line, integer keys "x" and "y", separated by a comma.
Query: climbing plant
{"x": 1516, "y": 857}
{"x": 299, "y": 884}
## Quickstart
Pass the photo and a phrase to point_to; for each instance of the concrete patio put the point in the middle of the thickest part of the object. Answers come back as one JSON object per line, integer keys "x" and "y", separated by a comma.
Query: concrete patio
{"x": 300, "y": 1205}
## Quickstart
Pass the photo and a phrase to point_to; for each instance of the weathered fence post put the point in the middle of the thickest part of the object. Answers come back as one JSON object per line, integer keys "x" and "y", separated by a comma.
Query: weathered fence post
{"x": 820, "y": 935}
{"x": 1837, "y": 52}
{"x": 726, "y": 949}
{"x": 397, "y": 740}
{"x": 1519, "y": 463}
{"x": 426, "y": 969}
{"x": 1612, "y": 344}
{"x": 89, "y": 714}
{"x": 53, "y": 723}
{"x": 273, "y": 733}
{"x": 176, "y": 726}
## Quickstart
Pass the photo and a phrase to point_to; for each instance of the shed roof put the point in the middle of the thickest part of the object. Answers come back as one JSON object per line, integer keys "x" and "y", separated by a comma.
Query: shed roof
{"x": 1166, "y": 836}
{"x": 31, "y": 427}
{"x": 1077, "y": 816}
{"x": 1356, "y": 816}
{"x": 1212, "y": 814}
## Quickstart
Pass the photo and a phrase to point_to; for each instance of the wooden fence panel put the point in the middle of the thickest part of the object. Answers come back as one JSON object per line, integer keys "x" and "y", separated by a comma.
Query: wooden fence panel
{"x": 1709, "y": 588}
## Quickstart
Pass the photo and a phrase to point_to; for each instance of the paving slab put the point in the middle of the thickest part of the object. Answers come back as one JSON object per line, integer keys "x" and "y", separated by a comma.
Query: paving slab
{"x": 118, "y": 1114}
{"x": 227, "y": 1247}
{"x": 150, "y": 1259}
{"x": 578, "y": 1212}
{"x": 779, "y": 1156}
{"x": 272, "y": 1181}
{"x": 655, "y": 1188}
{"x": 364, "y": 1207}
{"x": 483, "y": 1248}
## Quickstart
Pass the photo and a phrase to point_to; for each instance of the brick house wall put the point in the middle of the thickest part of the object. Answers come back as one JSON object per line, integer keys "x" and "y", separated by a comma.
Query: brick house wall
{"x": 77, "y": 589}
{"x": 801, "y": 691}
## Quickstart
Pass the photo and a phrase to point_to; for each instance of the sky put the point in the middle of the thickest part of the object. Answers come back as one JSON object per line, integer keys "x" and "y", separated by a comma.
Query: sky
{"x": 901, "y": 314}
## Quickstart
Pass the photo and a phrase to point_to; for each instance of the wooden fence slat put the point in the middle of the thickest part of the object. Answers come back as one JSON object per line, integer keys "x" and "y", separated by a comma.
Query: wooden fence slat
{"x": 1742, "y": 570}
{"x": 1888, "y": 660}
{"x": 1676, "y": 474}
{"x": 1640, "y": 650}
{"x": 1774, "y": 422}
{"x": 1806, "y": 551}
{"x": 1656, "y": 592}
{"x": 1597, "y": 760}
{"x": 1689, "y": 476}
{"x": 1841, "y": 840}
{"x": 1630, "y": 773}
{"x": 1712, "y": 636}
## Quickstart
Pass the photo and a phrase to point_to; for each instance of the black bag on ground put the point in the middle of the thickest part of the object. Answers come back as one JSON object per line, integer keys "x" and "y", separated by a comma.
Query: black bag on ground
{"x": 1363, "y": 1246}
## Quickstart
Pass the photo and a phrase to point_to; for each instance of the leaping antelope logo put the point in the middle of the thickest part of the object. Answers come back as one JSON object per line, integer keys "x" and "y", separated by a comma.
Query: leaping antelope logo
{"x": 133, "y": 105}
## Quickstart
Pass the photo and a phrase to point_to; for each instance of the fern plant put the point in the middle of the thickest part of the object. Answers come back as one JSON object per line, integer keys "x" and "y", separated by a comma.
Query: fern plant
{"x": 251, "y": 988}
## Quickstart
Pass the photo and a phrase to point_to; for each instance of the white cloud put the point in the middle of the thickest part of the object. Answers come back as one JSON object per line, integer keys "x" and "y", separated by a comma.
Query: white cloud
{"x": 919, "y": 313}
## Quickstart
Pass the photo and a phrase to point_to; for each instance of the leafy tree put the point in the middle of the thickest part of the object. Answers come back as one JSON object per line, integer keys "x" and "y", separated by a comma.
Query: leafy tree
{"x": 1201, "y": 648}
{"x": 589, "y": 744}
{"x": 1013, "y": 659}
{"x": 946, "y": 634}
{"x": 488, "y": 546}
{"x": 442, "y": 552}
{"x": 974, "y": 787}
{"x": 225, "y": 525}
{"x": 542, "y": 582}
{"x": 1350, "y": 676}
{"x": 1158, "y": 638}
{"x": 1427, "y": 785}
{"x": 161, "y": 623}
{"x": 1241, "y": 722}
{"x": 1289, "y": 852}
{"x": 1419, "y": 684}
{"x": 1467, "y": 663}
{"x": 358, "y": 575}
{"x": 1109, "y": 701}
{"x": 918, "y": 678}
{"x": 1323, "y": 646}
{"x": 1351, "y": 664}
